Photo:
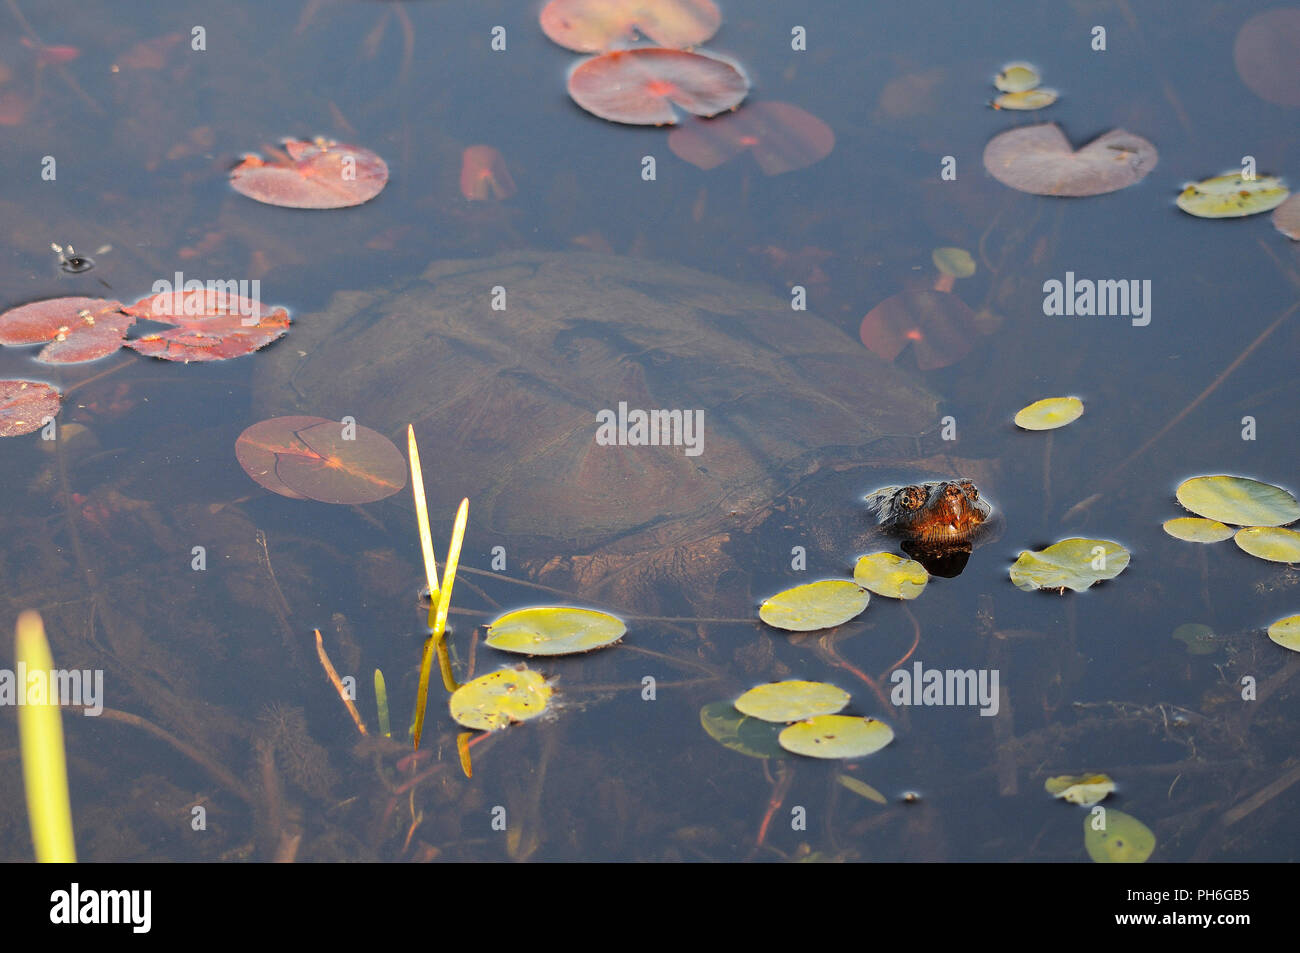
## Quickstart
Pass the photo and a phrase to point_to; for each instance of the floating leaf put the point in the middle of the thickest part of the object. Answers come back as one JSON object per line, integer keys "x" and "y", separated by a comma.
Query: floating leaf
{"x": 491, "y": 702}
{"x": 1027, "y": 100}
{"x": 1270, "y": 542}
{"x": 1286, "y": 218}
{"x": 1049, "y": 413}
{"x": 791, "y": 700}
{"x": 1232, "y": 196}
{"x": 483, "y": 175}
{"x": 1238, "y": 501}
{"x": 1069, "y": 564}
{"x": 1194, "y": 529}
{"x": 1082, "y": 789}
{"x": 210, "y": 325}
{"x": 78, "y": 329}
{"x": 309, "y": 457}
{"x": 1199, "y": 639}
{"x": 1286, "y": 632}
{"x": 1266, "y": 52}
{"x": 814, "y": 605}
{"x": 554, "y": 630}
{"x": 955, "y": 262}
{"x": 938, "y": 325}
{"x": 836, "y": 736}
{"x": 1040, "y": 160}
{"x": 1017, "y": 77}
{"x": 590, "y": 26}
{"x": 782, "y": 138}
{"x": 321, "y": 174}
{"x": 641, "y": 86}
{"x": 1123, "y": 840}
{"x": 24, "y": 405}
{"x": 889, "y": 575}
{"x": 862, "y": 789}
{"x": 749, "y": 736}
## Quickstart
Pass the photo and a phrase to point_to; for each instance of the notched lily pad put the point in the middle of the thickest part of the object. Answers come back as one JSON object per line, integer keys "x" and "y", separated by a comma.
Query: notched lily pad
{"x": 77, "y": 329}
{"x": 814, "y": 605}
{"x": 1273, "y": 543}
{"x": 491, "y": 702}
{"x": 1286, "y": 632}
{"x": 317, "y": 175}
{"x": 1197, "y": 637}
{"x": 889, "y": 575}
{"x": 24, "y": 405}
{"x": 836, "y": 736}
{"x": 792, "y": 700}
{"x": 554, "y": 630}
{"x": 1069, "y": 564}
{"x": 748, "y": 736}
{"x": 1196, "y": 529}
{"x": 1040, "y": 160}
{"x": 1238, "y": 501}
{"x": 1123, "y": 840}
{"x": 1049, "y": 413}
{"x": 642, "y": 85}
{"x": 1082, "y": 789}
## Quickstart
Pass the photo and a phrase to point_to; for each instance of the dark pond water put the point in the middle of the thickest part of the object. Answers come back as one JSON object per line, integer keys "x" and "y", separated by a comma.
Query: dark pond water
{"x": 100, "y": 526}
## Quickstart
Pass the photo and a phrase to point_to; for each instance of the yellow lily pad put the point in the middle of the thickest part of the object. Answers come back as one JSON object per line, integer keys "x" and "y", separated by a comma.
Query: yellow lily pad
{"x": 862, "y": 789}
{"x": 1270, "y": 542}
{"x": 1083, "y": 789}
{"x": 1286, "y": 632}
{"x": 1198, "y": 638}
{"x": 1069, "y": 564}
{"x": 1049, "y": 413}
{"x": 815, "y": 605}
{"x": 491, "y": 702}
{"x": 554, "y": 630}
{"x": 956, "y": 262}
{"x": 1196, "y": 529}
{"x": 1123, "y": 840}
{"x": 791, "y": 700}
{"x": 1017, "y": 77}
{"x": 1232, "y": 196}
{"x": 1027, "y": 99}
{"x": 748, "y": 736}
{"x": 836, "y": 736}
{"x": 893, "y": 576}
{"x": 1238, "y": 501}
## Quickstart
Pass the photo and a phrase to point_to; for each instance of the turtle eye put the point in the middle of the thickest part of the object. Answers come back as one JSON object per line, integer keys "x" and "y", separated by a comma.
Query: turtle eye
{"x": 912, "y": 497}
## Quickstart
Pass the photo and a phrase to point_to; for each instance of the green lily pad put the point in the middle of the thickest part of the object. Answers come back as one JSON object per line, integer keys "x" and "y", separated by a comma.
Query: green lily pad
{"x": 792, "y": 700}
{"x": 1125, "y": 839}
{"x": 1027, "y": 99}
{"x": 836, "y": 736}
{"x": 893, "y": 576}
{"x": 748, "y": 736}
{"x": 1195, "y": 529}
{"x": 1238, "y": 501}
{"x": 1017, "y": 77}
{"x": 1083, "y": 789}
{"x": 815, "y": 605}
{"x": 1232, "y": 196}
{"x": 1270, "y": 542}
{"x": 493, "y": 701}
{"x": 1049, "y": 413}
{"x": 1069, "y": 564}
{"x": 956, "y": 262}
{"x": 1286, "y": 632}
{"x": 1198, "y": 638}
{"x": 554, "y": 630}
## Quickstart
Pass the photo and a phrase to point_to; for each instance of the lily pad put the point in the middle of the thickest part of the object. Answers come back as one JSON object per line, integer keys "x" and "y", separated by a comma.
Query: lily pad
{"x": 1197, "y": 637}
{"x": 1040, "y": 160}
{"x": 316, "y": 175}
{"x": 484, "y": 175}
{"x": 1123, "y": 840}
{"x": 892, "y": 576}
{"x": 955, "y": 262}
{"x": 1286, "y": 218}
{"x": 493, "y": 701}
{"x": 1195, "y": 529}
{"x": 1273, "y": 543}
{"x": 782, "y": 138}
{"x": 641, "y": 86}
{"x": 591, "y": 26}
{"x": 862, "y": 789}
{"x": 1027, "y": 100}
{"x": 1017, "y": 77}
{"x": 938, "y": 325}
{"x": 1082, "y": 789}
{"x": 1286, "y": 632}
{"x": 748, "y": 736}
{"x": 1069, "y": 564}
{"x": 209, "y": 326}
{"x": 1238, "y": 501}
{"x": 554, "y": 630}
{"x": 814, "y": 605}
{"x": 836, "y": 736}
{"x": 24, "y": 405}
{"x": 1266, "y": 51}
{"x": 1232, "y": 196}
{"x": 1049, "y": 413}
{"x": 318, "y": 459}
{"x": 78, "y": 329}
{"x": 792, "y": 700}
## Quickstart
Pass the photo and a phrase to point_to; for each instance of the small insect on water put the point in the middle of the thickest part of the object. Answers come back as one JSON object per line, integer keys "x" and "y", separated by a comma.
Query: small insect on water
{"x": 73, "y": 263}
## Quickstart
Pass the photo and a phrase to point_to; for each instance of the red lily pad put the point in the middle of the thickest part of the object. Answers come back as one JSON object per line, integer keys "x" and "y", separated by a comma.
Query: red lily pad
{"x": 1266, "y": 52}
{"x": 209, "y": 327}
{"x": 24, "y": 405}
{"x": 1286, "y": 218}
{"x": 308, "y": 458}
{"x": 592, "y": 26}
{"x": 641, "y": 86}
{"x": 1039, "y": 159}
{"x": 939, "y": 326}
{"x": 483, "y": 175}
{"x": 321, "y": 174}
{"x": 781, "y": 136}
{"x": 78, "y": 329}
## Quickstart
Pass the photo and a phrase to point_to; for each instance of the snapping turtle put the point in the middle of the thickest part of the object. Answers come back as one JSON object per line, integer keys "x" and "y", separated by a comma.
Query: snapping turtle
{"x": 938, "y": 521}
{"x": 523, "y": 374}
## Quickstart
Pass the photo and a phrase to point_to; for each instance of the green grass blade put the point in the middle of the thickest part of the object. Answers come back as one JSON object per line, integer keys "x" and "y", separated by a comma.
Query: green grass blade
{"x": 381, "y": 703}
{"x": 422, "y": 518}
{"x": 449, "y": 572}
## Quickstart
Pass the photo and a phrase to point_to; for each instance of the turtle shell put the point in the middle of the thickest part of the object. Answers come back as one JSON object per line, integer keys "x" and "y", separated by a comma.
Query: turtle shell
{"x": 504, "y": 365}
